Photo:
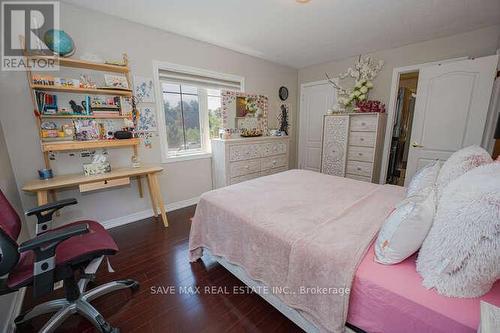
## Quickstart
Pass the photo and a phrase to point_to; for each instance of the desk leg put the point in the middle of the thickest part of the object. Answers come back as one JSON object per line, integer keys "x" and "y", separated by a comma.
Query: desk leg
{"x": 159, "y": 200}
{"x": 42, "y": 197}
{"x": 139, "y": 185}
{"x": 53, "y": 198}
{"x": 152, "y": 194}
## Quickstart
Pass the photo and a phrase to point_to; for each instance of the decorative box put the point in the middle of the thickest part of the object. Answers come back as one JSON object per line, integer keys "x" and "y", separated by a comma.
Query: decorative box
{"x": 99, "y": 168}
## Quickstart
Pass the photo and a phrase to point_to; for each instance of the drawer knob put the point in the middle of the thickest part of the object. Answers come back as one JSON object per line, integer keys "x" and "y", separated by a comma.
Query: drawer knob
{"x": 105, "y": 182}
{"x": 274, "y": 162}
{"x": 358, "y": 168}
{"x": 360, "y": 154}
{"x": 362, "y": 139}
{"x": 363, "y": 124}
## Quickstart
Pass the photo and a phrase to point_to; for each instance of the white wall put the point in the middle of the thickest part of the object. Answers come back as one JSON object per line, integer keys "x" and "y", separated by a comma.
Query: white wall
{"x": 109, "y": 36}
{"x": 474, "y": 44}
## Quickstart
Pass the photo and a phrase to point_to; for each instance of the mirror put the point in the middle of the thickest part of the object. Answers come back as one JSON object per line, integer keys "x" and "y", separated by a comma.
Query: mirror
{"x": 244, "y": 111}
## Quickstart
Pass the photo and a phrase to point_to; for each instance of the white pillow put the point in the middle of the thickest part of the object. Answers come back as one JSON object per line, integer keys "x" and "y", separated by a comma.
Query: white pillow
{"x": 459, "y": 163}
{"x": 461, "y": 255}
{"x": 406, "y": 228}
{"x": 424, "y": 178}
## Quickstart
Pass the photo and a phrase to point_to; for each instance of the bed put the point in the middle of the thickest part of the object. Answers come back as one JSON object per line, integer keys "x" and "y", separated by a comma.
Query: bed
{"x": 301, "y": 230}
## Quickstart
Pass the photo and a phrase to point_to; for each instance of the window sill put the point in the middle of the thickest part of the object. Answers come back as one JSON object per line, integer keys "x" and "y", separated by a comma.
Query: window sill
{"x": 187, "y": 157}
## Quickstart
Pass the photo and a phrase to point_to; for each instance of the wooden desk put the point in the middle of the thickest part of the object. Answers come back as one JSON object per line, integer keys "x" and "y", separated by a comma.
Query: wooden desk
{"x": 117, "y": 177}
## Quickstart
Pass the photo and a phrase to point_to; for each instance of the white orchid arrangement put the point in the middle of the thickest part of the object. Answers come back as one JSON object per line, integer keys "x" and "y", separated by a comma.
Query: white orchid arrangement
{"x": 363, "y": 73}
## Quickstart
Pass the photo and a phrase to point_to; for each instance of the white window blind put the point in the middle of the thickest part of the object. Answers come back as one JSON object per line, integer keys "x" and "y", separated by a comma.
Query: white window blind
{"x": 199, "y": 80}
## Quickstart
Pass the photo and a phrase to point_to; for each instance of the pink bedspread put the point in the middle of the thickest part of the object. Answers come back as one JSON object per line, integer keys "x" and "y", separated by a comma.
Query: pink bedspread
{"x": 296, "y": 231}
{"x": 392, "y": 299}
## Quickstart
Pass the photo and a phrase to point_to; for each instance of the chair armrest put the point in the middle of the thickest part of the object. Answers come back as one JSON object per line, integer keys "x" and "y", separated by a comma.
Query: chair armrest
{"x": 44, "y": 246}
{"x": 51, "y": 206}
{"x": 53, "y": 238}
{"x": 45, "y": 212}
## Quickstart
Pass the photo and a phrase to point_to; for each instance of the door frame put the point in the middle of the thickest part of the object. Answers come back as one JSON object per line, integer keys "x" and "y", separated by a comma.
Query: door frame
{"x": 391, "y": 110}
{"x": 302, "y": 115}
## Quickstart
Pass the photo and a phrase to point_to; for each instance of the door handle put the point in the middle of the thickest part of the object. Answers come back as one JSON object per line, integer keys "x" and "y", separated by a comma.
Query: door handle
{"x": 416, "y": 145}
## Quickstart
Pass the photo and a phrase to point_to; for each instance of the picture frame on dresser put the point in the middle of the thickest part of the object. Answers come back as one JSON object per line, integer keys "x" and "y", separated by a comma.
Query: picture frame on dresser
{"x": 352, "y": 145}
{"x": 240, "y": 159}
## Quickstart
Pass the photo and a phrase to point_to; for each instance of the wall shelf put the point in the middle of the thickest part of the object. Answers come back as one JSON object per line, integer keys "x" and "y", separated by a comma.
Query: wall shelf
{"x": 78, "y": 145}
{"x": 115, "y": 92}
{"x": 78, "y": 63}
{"x": 70, "y": 116}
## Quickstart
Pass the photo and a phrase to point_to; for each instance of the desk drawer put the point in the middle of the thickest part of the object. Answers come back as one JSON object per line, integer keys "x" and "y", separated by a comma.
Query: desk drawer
{"x": 104, "y": 184}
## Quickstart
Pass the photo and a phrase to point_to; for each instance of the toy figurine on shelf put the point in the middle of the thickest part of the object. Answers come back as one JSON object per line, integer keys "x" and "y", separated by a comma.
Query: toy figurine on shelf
{"x": 77, "y": 109}
{"x": 87, "y": 82}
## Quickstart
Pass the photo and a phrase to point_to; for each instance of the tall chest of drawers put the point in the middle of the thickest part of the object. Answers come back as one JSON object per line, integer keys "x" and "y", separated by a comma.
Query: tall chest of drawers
{"x": 352, "y": 145}
{"x": 240, "y": 159}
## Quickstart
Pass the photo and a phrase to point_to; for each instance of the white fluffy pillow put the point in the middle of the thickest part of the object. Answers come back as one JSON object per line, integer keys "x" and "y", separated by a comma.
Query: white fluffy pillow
{"x": 424, "y": 178}
{"x": 459, "y": 163}
{"x": 406, "y": 228}
{"x": 461, "y": 255}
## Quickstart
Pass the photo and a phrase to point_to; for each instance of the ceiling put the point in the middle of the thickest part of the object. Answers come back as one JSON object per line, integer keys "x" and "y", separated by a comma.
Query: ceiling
{"x": 299, "y": 35}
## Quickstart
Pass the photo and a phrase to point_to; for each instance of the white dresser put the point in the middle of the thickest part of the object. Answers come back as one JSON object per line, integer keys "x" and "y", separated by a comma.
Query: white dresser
{"x": 353, "y": 144}
{"x": 239, "y": 159}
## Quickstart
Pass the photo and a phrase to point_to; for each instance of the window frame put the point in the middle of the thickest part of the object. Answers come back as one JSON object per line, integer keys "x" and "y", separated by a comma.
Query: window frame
{"x": 205, "y": 151}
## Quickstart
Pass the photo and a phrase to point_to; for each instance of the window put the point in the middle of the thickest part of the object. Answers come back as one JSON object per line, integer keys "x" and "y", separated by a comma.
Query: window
{"x": 191, "y": 109}
{"x": 214, "y": 112}
{"x": 182, "y": 117}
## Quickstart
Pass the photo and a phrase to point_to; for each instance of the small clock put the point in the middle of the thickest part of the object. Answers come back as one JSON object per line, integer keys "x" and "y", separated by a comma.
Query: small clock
{"x": 283, "y": 93}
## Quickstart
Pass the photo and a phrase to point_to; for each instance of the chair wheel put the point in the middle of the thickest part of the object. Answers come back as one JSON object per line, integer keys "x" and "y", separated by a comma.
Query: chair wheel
{"x": 135, "y": 286}
{"x": 113, "y": 330}
{"x": 132, "y": 284}
{"x": 19, "y": 319}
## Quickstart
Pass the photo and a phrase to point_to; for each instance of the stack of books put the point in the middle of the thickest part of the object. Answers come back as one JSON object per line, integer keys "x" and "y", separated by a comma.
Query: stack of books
{"x": 106, "y": 111}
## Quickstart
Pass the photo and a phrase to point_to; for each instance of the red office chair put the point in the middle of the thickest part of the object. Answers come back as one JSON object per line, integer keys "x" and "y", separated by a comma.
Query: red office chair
{"x": 62, "y": 254}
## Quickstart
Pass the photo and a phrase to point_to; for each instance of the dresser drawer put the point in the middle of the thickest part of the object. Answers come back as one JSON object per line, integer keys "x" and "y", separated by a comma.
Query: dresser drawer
{"x": 273, "y": 171}
{"x": 104, "y": 184}
{"x": 358, "y": 177}
{"x": 273, "y": 148}
{"x": 241, "y": 168}
{"x": 365, "y": 123}
{"x": 240, "y": 179}
{"x": 273, "y": 162}
{"x": 244, "y": 152}
{"x": 363, "y": 154}
{"x": 364, "y": 139}
{"x": 359, "y": 168}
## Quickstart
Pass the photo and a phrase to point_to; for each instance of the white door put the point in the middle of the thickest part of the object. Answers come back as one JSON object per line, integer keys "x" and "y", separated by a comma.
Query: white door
{"x": 315, "y": 101}
{"x": 451, "y": 109}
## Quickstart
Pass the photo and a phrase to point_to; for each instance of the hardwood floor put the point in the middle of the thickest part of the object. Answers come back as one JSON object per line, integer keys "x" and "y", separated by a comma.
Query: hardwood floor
{"x": 158, "y": 259}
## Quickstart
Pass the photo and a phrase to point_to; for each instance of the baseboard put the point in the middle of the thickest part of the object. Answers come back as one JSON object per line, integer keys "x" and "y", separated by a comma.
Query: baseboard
{"x": 15, "y": 310}
{"x": 122, "y": 220}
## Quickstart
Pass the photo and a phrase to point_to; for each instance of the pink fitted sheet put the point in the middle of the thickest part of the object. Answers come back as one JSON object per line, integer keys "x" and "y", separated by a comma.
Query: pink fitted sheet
{"x": 392, "y": 299}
